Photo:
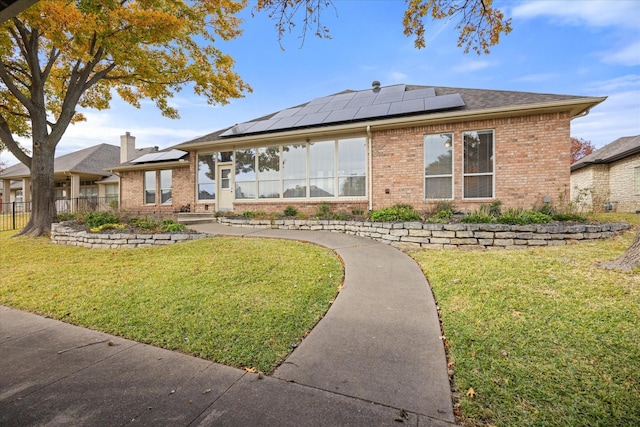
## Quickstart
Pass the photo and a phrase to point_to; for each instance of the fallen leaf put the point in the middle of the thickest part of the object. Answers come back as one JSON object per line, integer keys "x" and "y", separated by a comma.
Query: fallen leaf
{"x": 207, "y": 391}
{"x": 250, "y": 370}
{"x": 471, "y": 393}
{"x": 504, "y": 352}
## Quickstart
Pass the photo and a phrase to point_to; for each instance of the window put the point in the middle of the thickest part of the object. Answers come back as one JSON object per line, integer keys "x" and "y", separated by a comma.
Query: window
{"x": 269, "y": 172}
{"x": 352, "y": 167}
{"x": 246, "y": 174}
{"x": 294, "y": 171}
{"x": 207, "y": 176}
{"x": 637, "y": 179}
{"x": 438, "y": 166}
{"x": 478, "y": 164}
{"x": 165, "y": 187}
{"x": 111, "y": 192}
{"x": 322, "y": 169}
{"x": 150, "y": 187}
{"x": 88, "y": 189}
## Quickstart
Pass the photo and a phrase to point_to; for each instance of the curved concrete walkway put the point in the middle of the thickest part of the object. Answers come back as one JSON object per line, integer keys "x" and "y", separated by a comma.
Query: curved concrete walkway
{"x": 375, "y": 359}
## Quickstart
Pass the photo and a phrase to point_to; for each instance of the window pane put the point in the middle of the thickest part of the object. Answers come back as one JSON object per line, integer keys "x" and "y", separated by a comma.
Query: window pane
{"x": 206, "y": 176}
{"x": 321, "y": 168}
{"x": 294, "y": 161}
{"x": 225, "y": 156}
{"x": 246, "y": 174}
{"x": 478, "y": 186}
{"x": 269, "y": 172}
{"x": 294, "y": 188}
{"x": 438, "y": 154}
{"x": 269, "y": 189}
{"x": 478, "y": 152}
{"x": 352, "y": 186}
{"x": 352, "y": 167}
{"x": 165, "y": 186}
{"x": 438, "y": 188}
{"x": 150, "y": 187}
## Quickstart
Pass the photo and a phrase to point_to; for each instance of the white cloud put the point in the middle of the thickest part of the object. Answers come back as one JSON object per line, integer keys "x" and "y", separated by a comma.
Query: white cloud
{"x": 621, "y": 13}
{"x": 537, "y": 78}
{"x": 629, "y": 55}
{"x": 471, "y": 66}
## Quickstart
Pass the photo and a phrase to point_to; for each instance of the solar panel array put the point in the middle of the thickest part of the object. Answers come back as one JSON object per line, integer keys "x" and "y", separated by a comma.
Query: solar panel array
{"x": 344, "y": 107}
{"x": 162, "y": 156}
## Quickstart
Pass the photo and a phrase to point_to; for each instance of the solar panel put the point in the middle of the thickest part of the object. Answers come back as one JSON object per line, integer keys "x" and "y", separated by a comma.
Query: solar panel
{"x": 343, "y": 107}
{"x": 161, "y": 156}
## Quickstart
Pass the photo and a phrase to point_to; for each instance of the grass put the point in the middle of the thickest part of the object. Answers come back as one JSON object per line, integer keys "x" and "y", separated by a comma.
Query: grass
{"x": 240, "y": 302}
{"x": 541, "y": 336}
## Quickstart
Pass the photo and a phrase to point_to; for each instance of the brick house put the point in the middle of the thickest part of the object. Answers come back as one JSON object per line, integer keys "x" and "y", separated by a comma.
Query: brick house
{"x": 609, "y": 178}
{"x": 371, "y": 149}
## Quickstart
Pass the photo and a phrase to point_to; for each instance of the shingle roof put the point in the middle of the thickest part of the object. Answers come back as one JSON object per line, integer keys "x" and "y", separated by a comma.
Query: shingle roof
{"x": 435, "y": 99}
{"x": 92, "y": 160}
{"x": 614, "y": 151}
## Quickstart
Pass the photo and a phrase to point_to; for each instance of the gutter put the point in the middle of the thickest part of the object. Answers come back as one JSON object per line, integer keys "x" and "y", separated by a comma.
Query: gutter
{"x": 370, "y": 167}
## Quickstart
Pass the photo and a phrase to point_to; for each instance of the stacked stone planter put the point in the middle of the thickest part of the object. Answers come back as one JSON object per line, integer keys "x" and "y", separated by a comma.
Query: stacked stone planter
{"x": 63, "y": 235}
{"x": 418, "y": 235}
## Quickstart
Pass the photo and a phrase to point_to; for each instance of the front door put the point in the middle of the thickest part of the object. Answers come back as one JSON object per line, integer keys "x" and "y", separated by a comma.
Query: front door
{"x": 225, "y": 188}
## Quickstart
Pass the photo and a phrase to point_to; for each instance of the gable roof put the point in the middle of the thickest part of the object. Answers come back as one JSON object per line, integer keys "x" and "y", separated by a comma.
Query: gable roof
{"x": 612, "y": 152}
{"x": 92, "y": 161}
{"x": 154, "y": 159}
{"x": 393, "y": 106}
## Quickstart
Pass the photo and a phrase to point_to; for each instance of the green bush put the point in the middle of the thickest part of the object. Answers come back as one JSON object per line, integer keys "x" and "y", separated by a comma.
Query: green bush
{"x": 96, "y": 219}
{"x": 323, "y": 211}
{"x": 107, "y": 227}
{"x": 144, "y": 223}
{"x": 290, "y": 211}
{"x": 444, "y": 206}
{"x": 568, "y": 217}
{"x": 478, "y": 217}
{"x": 253, "y": 214}
{"x": 341, "y": 216}
{"x": 396, "y": 213}
{"x": 494, "y": 208}
{"x": 523, "y": 217}
{"x": 69, "y": 216}
{"x": 545, "y": 208}
{"x": 357, "y": 212}
{"x": 170, "y": 226}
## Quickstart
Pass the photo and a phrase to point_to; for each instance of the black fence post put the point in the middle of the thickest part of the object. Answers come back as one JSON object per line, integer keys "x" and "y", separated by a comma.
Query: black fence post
{"x": 13, "y": 215}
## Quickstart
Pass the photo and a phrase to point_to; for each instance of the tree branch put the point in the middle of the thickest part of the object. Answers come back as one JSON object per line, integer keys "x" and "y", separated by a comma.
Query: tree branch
{"x": 11, "y": 144}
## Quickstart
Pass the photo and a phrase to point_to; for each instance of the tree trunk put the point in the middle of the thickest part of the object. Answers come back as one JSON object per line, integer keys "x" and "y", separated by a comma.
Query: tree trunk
{"x": 43, "y": 208}
{"x": 629, "y": 260}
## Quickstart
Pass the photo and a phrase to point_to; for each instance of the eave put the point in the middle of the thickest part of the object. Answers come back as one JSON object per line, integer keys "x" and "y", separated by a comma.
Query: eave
{"x": 151, "y": 166}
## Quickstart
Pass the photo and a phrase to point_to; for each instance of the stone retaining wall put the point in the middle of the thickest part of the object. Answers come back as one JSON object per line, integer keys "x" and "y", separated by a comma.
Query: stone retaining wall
{"x": 63, "y": 235}
{"x": 417, "y": 235}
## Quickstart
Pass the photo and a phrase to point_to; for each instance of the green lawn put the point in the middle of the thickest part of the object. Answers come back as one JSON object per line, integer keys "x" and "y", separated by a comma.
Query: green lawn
{"x": 541, "y": 336}
{"x": 240, "y": 302}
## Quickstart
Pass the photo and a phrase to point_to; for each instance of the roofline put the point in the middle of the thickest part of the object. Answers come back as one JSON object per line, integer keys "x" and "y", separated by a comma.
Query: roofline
{"x": 151, "y": 166}
{"x": 581, "y": 106}
{"x": 580, "y": 164}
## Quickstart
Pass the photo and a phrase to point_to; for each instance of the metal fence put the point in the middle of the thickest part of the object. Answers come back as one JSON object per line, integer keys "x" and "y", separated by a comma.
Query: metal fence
{"x": 15, "y": 215}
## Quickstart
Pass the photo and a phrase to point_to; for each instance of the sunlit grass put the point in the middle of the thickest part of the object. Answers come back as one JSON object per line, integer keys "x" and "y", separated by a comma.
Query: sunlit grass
{"x": 541, "y": 336}
{"x": 240, "y": 302}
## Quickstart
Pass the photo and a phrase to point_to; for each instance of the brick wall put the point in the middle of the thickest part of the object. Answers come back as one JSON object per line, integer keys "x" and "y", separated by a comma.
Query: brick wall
{"x": 132, "y": 191}
{"x": 531, "y": 161}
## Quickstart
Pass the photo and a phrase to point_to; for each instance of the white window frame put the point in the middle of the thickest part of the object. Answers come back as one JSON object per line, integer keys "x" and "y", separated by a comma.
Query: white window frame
{"x": 493, "y": 165}
{"x": 424, "y": 168}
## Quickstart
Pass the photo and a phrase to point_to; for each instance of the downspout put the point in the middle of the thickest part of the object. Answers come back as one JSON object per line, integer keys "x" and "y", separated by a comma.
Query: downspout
{"x": 370, "y": 166}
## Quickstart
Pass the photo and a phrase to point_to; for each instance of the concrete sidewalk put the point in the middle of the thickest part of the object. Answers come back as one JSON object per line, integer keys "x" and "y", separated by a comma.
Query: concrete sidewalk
{"x": 375, "y": 359}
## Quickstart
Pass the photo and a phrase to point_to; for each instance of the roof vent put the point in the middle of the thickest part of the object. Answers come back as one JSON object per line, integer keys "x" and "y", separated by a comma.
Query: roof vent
{"x": 375, "y": 85}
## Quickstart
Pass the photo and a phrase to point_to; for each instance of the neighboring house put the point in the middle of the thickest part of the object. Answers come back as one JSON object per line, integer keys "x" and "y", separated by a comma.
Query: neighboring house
{"x": 371, "y": 149}
{"x": 609, "y": 178}
{"x": 80, "y": 175}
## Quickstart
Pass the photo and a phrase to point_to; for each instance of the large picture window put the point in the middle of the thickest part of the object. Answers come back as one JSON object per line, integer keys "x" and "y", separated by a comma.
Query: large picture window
{"x": 478, "y": 164}
{"x": 322, "y": 169}
{"x": 269, "y": 172}
{"x": 438, "y": 166}
{"x": 207, "y": 176}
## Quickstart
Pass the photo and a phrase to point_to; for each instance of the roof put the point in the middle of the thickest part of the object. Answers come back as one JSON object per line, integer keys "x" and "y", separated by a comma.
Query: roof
{"x": 395, "y": 104}
{"x": 153, "y": 159}
{"x": 91, "y": 161}
{"x": 612, "y": 152}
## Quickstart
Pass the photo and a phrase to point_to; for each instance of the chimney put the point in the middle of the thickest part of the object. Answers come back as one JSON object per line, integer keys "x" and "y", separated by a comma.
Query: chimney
{"x": 127, "y": 147}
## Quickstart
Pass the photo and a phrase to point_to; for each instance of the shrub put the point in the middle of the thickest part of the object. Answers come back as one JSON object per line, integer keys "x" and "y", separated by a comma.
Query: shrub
{"x": 545, "y": 208}
{"x": 96, "y": 219}
{"x": 357, "y": 212}
{"x": 107, "y": 227}
{"x": 478, "y": 217}
{"x": 144, "y": 223}
{"x": 170, "y": 226}
{"x": 323, "y": 211}
{"x": 523, "y": 217}
{"x": 568, "y": 217}
{"x": 341, "y": 216}
{"x": 396, "y": 213}
{"x": 444, "y": 206}
{"x": 290, "y": 211}
{"x": 69, "y": 216}
{"x": 253, "y": 214}
{"x": 493, "y": 209}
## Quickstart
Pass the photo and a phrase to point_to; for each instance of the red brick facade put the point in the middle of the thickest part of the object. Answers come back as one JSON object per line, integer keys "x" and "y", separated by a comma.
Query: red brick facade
{"x": 531, "y": 163}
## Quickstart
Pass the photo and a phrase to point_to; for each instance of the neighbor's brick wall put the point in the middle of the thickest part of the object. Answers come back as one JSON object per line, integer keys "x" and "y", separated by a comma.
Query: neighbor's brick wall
{"x": 531, "y": 161}
{"x": 131, "y": 190}
{"x": 622, "y": 184}
{"x": 582, "y": 181}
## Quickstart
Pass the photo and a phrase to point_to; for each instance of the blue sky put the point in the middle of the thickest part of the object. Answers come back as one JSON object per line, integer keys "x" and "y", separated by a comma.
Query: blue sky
{"x": 574, "y": 47}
